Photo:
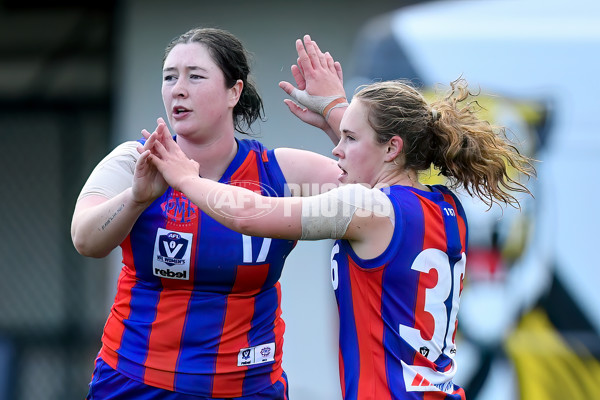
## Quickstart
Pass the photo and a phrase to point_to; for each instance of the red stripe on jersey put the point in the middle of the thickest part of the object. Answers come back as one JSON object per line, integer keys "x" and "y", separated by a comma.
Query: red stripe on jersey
{"x": 246, "y": 175}
{"x": 422, "y": 361}
{"x": 278, "y": 331}
{"x": 434, "y": 237}
{"x": 109, "y": 356}
{"x": 228, "y": 378}
{"x": 366, "y": 289}
{"x": 462, "y": 227}
{"x": 164, "y": 343}
{"x": 265, "y": 157}
{"x": 424, "y": 321}
{"x": 433, "y": 222}
{"x": 165, "y": 338}
{"x": 128, "y": 254}
{"x": 114, "y": 328}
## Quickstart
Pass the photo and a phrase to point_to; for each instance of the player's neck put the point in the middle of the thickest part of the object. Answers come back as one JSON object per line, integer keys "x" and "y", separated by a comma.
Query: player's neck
{"x": 214, "y": 156}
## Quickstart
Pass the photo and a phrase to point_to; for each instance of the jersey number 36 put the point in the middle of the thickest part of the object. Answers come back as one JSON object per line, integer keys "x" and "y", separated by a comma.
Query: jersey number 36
{"x": 435, "y": 312}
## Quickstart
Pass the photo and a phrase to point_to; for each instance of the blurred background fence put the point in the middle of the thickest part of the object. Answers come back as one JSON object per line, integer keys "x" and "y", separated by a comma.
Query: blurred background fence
{"x": 55, "y": 61}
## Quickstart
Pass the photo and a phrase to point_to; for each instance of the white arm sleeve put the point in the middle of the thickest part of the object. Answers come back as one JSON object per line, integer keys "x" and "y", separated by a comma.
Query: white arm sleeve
{"x": 114, "y": 173}
{"x": 328, "y": 215}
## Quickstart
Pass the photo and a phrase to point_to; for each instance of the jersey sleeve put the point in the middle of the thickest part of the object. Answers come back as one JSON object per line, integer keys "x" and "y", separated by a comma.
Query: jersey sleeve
{"x": 114, "y": 173}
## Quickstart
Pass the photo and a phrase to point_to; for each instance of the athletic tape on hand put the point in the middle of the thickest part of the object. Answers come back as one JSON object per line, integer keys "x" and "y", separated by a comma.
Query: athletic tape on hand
{"x": 314, "y": 103}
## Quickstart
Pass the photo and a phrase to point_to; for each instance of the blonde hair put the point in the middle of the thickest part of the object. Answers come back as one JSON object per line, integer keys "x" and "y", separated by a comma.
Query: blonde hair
{"x": 469, "y": 151}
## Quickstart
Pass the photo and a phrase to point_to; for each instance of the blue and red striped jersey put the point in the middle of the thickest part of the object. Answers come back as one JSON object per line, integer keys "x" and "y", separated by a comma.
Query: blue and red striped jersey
{"x": 197, "y": 308}
{"x": 398, "y": 311}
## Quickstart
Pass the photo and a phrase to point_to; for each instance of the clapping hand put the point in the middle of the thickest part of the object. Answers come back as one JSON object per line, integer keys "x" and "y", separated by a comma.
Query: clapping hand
{"x": 148, "y": 182}
{"x": 167, "y": 157}
{"x": 319, "y": 82}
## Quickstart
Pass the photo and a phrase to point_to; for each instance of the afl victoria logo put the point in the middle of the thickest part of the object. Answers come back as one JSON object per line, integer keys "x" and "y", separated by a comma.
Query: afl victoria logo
{"x": 172, "y": 248}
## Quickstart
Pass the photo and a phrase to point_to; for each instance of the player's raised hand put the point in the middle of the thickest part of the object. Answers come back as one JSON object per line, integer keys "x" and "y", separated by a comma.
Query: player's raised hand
{"x": 319, "y": 80}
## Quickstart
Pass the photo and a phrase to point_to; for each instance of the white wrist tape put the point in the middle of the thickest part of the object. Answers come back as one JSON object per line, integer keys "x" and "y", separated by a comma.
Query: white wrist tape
{"x": 328, "y": 215}
{"x": 319, "y": 104}
{"x": 114, "y": 173}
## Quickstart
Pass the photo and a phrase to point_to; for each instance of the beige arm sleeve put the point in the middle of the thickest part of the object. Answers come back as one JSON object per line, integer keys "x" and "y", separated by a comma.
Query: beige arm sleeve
{"x": 328, "y": 215}
{"x": 114, "y": 173}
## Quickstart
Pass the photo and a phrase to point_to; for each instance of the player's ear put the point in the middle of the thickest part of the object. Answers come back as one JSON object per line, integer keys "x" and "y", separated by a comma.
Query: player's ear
{"x": 235, "y": 92}
{"x": 394, "y": 148}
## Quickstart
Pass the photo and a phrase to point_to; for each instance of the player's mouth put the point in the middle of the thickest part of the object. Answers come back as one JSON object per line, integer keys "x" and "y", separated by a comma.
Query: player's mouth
{"x": 344, "y": 173}
{"x": 180, "y": 112}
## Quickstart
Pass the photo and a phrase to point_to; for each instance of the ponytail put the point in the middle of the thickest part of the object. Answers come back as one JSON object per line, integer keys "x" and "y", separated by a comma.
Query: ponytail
{"x": 473, "y": 153}
{"x": 447, "y": 134}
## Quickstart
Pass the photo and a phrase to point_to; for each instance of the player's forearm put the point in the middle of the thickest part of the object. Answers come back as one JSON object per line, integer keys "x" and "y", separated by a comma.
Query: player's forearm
{"x": 243, "y": 210}
{"x": 99, "y": 228}
{"x": 334, "y": 119}
{"x": 332, "y": 134}
{"x": 225, "y": 203}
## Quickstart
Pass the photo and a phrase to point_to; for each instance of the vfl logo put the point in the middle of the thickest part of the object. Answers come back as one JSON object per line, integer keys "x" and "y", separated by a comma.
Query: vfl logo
{"x": 172, "y": 253}
{"x": 265, "y": 352}
{"x": 424, "y": 351}
{"x": 173, "y": 248}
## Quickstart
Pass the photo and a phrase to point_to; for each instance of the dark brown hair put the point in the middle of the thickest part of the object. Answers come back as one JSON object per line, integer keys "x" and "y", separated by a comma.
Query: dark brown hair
{"x": 229, "y": 54}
